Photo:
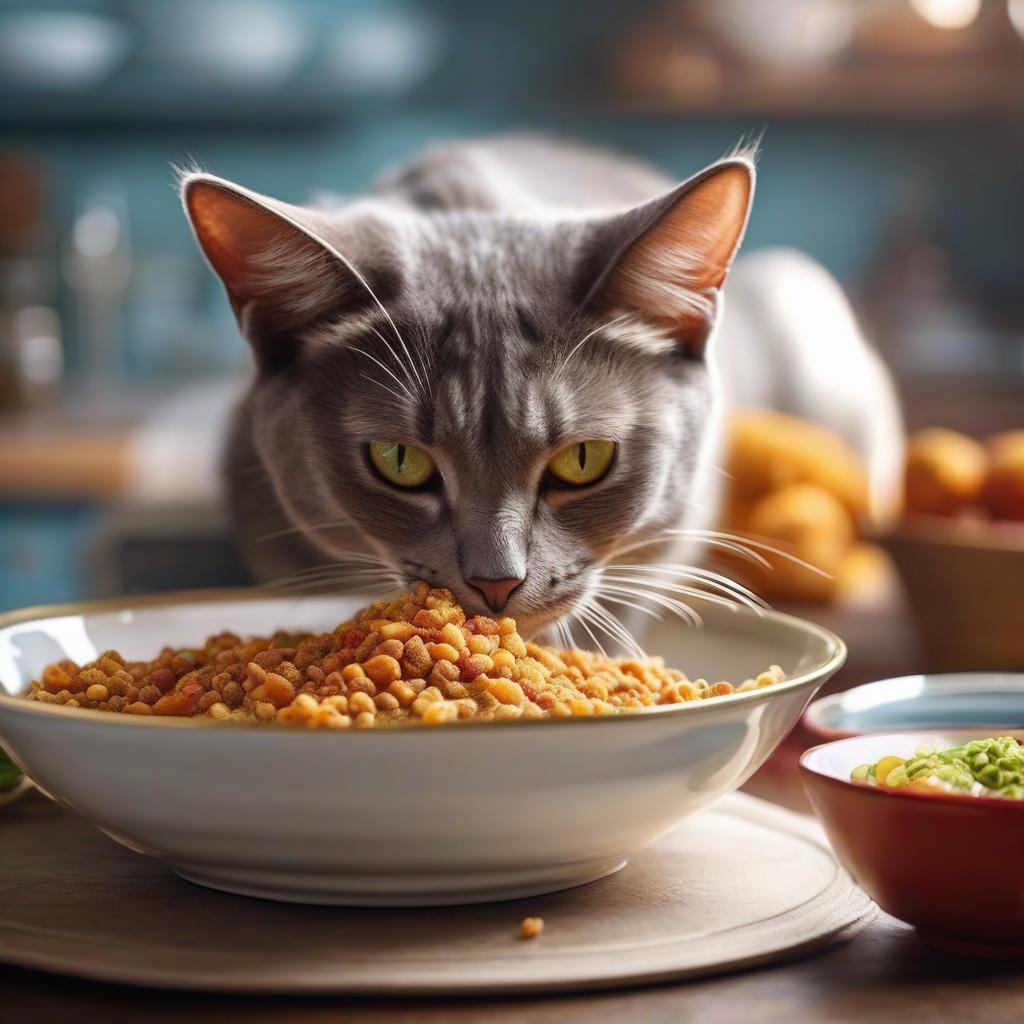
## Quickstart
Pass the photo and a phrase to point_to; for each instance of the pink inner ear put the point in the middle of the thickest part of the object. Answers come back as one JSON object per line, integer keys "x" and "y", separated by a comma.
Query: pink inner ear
{"x": 671, "y": 273}
{"x": 233, "y": 232}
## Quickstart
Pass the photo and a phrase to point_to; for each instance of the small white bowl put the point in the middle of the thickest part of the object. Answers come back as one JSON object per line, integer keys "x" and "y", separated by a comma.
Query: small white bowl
{"x": 462, "y": 813}
{"x": 991, "y": 702}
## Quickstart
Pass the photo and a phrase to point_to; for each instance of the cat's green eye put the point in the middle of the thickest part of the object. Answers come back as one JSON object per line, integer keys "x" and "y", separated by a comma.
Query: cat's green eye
{"x": 404, "y": 465}
{"x": 582, "y": 463}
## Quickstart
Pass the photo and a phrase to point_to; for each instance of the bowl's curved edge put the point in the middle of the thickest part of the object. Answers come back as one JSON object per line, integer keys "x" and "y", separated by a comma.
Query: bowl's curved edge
{"x": 815, "y": 713}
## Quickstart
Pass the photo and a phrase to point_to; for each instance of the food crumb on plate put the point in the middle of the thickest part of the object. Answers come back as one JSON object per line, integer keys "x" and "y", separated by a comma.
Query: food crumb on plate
{"x": 531, "y": 927}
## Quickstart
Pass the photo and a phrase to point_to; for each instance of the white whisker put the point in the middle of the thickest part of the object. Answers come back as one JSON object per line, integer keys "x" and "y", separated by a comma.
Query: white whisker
{"x": 405, "y": 389}
{"x": 754, "y": 543}
{"x": 408, "y": 365}
{"x": 729, "y": 599}
{"x": 615, "y": 628}
{"x": 679, "y": 608}
{"x": 717, "y": 580}
{"x": 565, "y": 635}
{"x": 338, "y": 524}
{"x": 597, "y": 330}
{"x": 631, "y": 604}
{"x": 578, "y": 615}
{"x": 373, "y": 295}
{"x": 381, "y": 384}
{"x": 346, "y": 557}
{"x": 711, "y": 537}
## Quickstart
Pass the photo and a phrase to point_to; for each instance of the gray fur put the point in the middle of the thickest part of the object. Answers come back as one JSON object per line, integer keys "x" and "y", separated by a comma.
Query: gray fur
{"x": 496, "y": 352}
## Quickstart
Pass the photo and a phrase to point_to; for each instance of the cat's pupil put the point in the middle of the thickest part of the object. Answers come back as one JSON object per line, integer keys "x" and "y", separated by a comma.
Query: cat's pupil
{"x": 401, "y": 456}
{"x": 581, "y": 452}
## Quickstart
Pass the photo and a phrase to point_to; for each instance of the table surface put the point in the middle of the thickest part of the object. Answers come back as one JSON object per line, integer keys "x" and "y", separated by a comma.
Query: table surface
{"x": 884, "y": 974}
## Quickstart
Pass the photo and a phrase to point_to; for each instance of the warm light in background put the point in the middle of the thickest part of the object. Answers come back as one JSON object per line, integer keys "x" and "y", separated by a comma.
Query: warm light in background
{"x": 799, "y": 32}
{"x": 1015, "y": 9}
{"x": 948, "y": 13}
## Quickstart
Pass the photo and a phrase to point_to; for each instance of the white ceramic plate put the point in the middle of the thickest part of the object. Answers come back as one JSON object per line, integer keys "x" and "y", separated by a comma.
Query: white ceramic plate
{"x": 467, "y": 812}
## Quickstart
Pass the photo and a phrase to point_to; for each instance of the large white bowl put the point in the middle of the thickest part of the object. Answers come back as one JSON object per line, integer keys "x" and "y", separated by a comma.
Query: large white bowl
{"x": 418, "y": 815}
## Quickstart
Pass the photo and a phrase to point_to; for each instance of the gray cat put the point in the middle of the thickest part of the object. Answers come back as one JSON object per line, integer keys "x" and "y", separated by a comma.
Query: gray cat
{"x": 493, "y": 373}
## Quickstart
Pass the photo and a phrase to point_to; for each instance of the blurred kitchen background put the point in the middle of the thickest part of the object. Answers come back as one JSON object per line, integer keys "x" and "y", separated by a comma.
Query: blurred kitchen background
{"x": 893, "y": 153}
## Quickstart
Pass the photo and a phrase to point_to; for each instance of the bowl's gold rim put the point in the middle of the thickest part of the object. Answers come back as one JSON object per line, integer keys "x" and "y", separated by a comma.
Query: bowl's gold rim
{"x": 10, "y": 702}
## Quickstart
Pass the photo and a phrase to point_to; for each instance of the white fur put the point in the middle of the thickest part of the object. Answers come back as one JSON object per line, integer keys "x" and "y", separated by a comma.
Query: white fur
{"x": 788, "y": 340}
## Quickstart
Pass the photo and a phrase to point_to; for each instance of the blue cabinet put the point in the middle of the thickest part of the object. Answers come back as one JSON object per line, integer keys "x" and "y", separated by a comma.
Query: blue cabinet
{"x": 41, "y": 553}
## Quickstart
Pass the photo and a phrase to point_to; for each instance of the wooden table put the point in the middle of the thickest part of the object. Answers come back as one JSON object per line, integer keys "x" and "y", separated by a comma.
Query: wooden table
{"x": 884, "y": 974}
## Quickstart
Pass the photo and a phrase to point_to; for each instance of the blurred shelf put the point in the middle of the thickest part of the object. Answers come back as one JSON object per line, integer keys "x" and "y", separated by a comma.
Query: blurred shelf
{"x": 66, "y": 464}
{"x": 935, "y": 89}
{"x": 76, "y": 451}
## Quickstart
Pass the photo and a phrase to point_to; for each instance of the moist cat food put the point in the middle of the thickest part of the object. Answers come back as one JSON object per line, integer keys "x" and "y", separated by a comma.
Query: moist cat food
{"x": 414, "y": 659}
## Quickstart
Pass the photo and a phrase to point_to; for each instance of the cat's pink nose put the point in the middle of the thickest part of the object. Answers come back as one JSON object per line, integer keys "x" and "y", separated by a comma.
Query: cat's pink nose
{"x": 496, "y": 592}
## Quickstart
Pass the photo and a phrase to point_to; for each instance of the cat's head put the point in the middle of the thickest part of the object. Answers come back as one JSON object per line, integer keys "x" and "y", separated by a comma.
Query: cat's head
{"x": 499, "y": 402}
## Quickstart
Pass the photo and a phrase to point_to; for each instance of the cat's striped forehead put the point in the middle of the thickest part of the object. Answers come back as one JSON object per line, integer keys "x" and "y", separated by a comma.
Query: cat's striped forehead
{"x": 510, "y": 385}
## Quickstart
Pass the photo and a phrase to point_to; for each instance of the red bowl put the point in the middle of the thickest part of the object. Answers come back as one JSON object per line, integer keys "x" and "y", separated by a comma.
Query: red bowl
{"x": 951, "y": 865}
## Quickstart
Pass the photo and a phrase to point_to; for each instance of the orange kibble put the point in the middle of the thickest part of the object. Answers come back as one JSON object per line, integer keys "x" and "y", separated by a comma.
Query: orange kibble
{"x": 480, "y": 645}
{"x": 474, "y": 665}
{"x": 402, "y": 692}
{"x": 359, "y": 702}
{"x": 503, "y": 659}
{"x": 430, "y": 618}
{"x": 179, "y": 703}
{"x": 393, "y": 648}
{"x": 386, "y": 702}
{"x": 416, "y": 658}
{"x": 383, "y": 669}
{"x": 398, "y": 631}
{"x": 56, "y": 679}
{"x": 506, "y": 691}
{"x": 279, "y": 691}
{"x": 335, "y": 721}
{"x": 451, "y": 634}
{"x": 264, "y": 711}
{"x": 513, "y": 643}
{"x": 352, "y": 672}
{"x": 305, "y": 705}
{"x": 443, "y": 652}
{"x": 440, "y": 712}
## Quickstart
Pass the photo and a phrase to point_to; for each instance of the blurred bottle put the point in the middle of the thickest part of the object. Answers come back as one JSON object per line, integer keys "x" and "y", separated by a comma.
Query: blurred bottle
{"x": 31, "y": 356}
{"x": 97, "y": 268}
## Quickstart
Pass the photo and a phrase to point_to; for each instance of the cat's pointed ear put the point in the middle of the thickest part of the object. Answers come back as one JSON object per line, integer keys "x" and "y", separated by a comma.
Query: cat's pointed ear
{"x": 280, "y": 275}
{"x": 671, "y": 256}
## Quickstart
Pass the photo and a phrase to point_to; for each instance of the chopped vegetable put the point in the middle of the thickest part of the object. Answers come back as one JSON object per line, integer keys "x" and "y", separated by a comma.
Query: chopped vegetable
{"x": 10, "y": 773}
{"x": 991, "y": 767}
